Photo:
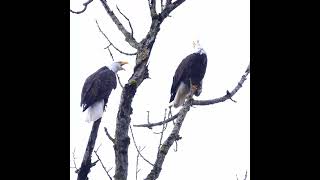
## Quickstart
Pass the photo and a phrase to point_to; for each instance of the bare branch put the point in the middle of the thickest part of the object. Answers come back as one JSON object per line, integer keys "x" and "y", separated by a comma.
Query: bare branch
{"x": 96, "y": 152}
{"x": 138, "y": 149}
{"x": 157, "y": 19}
{"x": 154, "y": 174}
{"x": 248, "y": 68}
{"x": 86, "y": 162}
{"x": 170, "y": 112}
{"x": 98, "y": 147}
{"x": 128, "y": 37}
{"x": 119, "y": 81}
{"x": 85, "y": 7}
{"x": 158, "y": 123}
{"x": 245, "y": 176}
{"x": 109, "y": 136}
{"x": 93, "y": 164}
{"x": 108, "y": 47}
{"x": 228, "y": 95}
{"x": 137, "y": 161}
{"x": 152, "y": 7}
{"x": 163, "y": 128}
{"x": 176, "y": 149}
{"x": 162, "y": 6}
{"x": 127, "y": 20}
{"x": 148, "y": 117}
{"x": 170, "y": 7}
{"x": 168, "y": 2}
{"x": 129, "y": 54}
{"x": 74, "y": 160}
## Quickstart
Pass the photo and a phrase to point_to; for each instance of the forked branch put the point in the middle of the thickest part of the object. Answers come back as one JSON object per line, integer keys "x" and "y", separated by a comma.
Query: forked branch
{"x": 128, "y": 36}
{"x": 111, "y": 44}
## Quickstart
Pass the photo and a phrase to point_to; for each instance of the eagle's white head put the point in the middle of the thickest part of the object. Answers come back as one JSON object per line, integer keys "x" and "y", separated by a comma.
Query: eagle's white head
{"x": 117, "y": 66}
{"x": 197, "y": 47}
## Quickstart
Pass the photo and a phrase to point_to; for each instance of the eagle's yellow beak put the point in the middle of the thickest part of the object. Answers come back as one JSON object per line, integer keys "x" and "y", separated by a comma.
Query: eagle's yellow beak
{"x": 122, "y": 63}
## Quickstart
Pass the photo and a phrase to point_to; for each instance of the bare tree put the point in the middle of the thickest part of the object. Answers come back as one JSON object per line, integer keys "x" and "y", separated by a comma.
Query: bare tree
{"x": 121, "y": 139}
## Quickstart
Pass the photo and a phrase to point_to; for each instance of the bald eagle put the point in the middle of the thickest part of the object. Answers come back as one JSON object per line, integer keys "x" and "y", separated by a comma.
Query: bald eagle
{"x": 188, "y": 76}
{"x": 97, "y": 88}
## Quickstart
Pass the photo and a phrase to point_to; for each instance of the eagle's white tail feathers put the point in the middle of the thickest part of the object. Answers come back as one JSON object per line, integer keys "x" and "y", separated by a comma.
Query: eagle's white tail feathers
{"x": 181, "y": 95}
{"x": 95, "y": 111}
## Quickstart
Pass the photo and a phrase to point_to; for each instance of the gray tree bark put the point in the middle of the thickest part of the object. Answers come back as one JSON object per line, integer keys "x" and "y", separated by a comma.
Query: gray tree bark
{"x": 86, "y": 162}
{"x": 144, "y": 48}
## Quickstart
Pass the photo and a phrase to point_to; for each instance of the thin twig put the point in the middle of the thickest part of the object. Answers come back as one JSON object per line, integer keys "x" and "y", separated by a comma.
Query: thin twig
{"x": 228, "y": 94}
{"x": 98, "y": 147}
{"x": 163, "y": 128}
{"x": 119, "y": 81}
{"x": 128, "y": 37}
{"x": 137, "y": 148}
{"x": 127, "y": 20}
{"x": 158, "y": 123}
{"x": 85, "y": 7}
{"x": 170, "y": 114}
{"x": 96, "y": 152}
{"x": 245, "y": 176}
{"x": 162, "y": 6}
{"x": 148, "y": 117}
{"x": 129, "y": 54}
{"x": 109, "y": 136}
{"x": 137, "y": 162}
{"x": 176, "y": 149}
{"x": 174, "y": 135}
{"x": 74, "y": 160}
{"x": 108, "y": 47}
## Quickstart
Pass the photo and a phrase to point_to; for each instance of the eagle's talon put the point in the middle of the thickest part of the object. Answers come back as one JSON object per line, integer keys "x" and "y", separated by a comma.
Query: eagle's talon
{"x": 194, "y": 88}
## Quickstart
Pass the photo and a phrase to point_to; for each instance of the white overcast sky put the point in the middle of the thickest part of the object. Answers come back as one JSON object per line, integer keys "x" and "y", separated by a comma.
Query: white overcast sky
{"x": 215, "y": 140}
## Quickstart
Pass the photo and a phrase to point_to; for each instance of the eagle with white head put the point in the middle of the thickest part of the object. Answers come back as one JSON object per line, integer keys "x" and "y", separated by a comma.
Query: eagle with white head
{"x": 188, "y": 76}
{"x": 97, "y": 89}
